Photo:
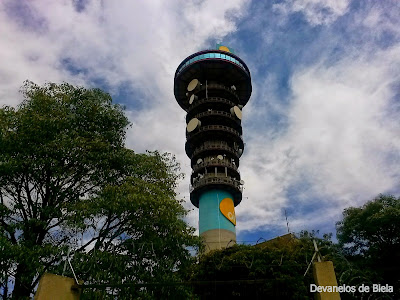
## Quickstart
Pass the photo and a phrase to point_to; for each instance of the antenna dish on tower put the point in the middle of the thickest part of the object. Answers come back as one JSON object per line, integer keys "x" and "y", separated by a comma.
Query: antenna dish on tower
{"x": 193, "y": 85}
{"x": 220, "y": 157}
{"x": 241, "y": 182}
{"x": 192, "y": 98}
{"x": 193, "y": 124}
{"x": 199, "y": 161}
{"x": 235, "y": 111}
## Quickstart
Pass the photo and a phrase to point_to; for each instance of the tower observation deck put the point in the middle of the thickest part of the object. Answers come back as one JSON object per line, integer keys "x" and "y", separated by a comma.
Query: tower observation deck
{"x": 213, "y": 86}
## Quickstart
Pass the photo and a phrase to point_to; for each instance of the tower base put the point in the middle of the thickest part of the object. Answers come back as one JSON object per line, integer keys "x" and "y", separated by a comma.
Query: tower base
{"x": 218, "y": 239}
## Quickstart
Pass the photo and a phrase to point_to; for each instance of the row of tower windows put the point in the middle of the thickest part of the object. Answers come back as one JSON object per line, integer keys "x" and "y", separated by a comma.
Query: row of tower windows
{"x": 220, "y": 158}
{"x": 220, "y": 172}
{"x": 207, "y": 179}
{"x": 212, "y": 55}
{"x": 218, "y": 145}
{"x": 218, "y": 117}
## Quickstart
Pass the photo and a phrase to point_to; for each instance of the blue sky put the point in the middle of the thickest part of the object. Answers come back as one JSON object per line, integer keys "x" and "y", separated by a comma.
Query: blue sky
{"x": 321, "y": 128}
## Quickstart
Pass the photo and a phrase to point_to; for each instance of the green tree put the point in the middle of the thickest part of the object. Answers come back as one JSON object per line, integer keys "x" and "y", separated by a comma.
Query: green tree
{"x": 67, "y": 181}
{"x": 370, "y": 238}
{"x": 277, "y": 268}
{"x": 273, "y": 269}
{"x": 143, "y": 238}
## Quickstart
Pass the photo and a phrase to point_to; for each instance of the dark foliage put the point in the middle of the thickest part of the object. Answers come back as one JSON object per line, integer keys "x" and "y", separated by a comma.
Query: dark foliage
{"x": 68, "y": 182}
{"x": 370, "y": 238}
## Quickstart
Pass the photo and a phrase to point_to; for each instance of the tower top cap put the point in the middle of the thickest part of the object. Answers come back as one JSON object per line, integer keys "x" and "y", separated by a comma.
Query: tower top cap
{"x": 225, "y": 48}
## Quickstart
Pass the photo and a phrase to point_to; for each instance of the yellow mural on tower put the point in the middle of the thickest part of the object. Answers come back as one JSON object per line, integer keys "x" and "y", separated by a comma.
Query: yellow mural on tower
{"x": 225, "y": 48}
{"x": 228, "y": 210}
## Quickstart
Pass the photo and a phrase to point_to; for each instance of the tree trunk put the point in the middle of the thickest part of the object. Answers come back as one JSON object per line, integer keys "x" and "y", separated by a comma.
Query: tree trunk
{"x": 23, "y": 280}
{"x": 5, "y": 291}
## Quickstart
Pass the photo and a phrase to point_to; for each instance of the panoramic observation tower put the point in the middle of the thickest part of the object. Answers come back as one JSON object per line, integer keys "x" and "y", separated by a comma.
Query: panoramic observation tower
{"x": 212, "y": 86}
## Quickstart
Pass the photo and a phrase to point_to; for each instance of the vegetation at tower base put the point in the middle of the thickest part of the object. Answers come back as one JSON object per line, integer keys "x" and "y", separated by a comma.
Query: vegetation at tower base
{"x": 367, "y": 253}
{"x": 68, "y": 182}
{"x": 370, "y": 237}
{"x": 273, "y": 270}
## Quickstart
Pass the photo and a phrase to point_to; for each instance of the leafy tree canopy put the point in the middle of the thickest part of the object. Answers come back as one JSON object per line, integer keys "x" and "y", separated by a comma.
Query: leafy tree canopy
{"x": 370, "y": 237}
{"x": 67, "y": 181}
{"x": 276, "y": 267}
{"x": 372, "y": 229}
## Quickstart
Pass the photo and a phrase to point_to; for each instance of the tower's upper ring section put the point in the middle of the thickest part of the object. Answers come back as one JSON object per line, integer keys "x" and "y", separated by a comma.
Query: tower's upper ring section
{"x": 212, "y": 65}
{"x": 210, "y": 54}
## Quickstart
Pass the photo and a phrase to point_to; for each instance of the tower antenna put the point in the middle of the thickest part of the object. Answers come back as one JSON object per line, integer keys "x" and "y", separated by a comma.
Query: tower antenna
{"x": 287, "y": 222}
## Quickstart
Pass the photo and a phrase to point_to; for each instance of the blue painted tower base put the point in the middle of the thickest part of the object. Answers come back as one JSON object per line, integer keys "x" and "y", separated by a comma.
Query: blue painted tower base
{"x": 216, "y": 229}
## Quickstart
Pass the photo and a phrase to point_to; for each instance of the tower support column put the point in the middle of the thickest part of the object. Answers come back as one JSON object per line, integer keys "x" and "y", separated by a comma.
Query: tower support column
{"x": 217, "y": 219}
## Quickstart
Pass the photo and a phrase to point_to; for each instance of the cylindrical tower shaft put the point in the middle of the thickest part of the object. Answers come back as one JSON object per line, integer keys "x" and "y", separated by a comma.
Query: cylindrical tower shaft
{"x": 216, "y": 227}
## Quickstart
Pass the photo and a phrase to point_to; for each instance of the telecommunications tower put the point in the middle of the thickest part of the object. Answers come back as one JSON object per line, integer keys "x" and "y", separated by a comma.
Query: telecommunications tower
{"x": 212, "y": 86}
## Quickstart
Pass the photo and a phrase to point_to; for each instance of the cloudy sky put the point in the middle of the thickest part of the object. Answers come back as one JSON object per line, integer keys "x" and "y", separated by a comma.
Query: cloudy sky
{"x": 322, "y": 127}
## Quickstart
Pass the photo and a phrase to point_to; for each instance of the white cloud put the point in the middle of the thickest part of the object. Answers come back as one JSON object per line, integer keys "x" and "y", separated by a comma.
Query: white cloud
{"x": 316, "y": 12}
{"x": 382, "y": 18}
{"x": 342, "y": 144}
{"x": 135, "y": 43}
